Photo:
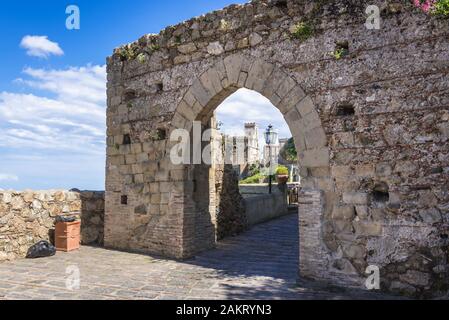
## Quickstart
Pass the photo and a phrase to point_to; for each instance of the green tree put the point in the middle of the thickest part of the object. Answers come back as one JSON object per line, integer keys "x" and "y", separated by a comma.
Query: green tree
{"x": 288, "y": 151}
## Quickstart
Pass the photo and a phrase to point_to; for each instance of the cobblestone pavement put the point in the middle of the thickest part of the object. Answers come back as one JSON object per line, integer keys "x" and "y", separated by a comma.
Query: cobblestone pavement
{"x": 259, "y": 264}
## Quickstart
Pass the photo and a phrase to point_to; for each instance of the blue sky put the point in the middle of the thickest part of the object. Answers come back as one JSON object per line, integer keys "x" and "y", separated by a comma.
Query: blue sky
{"x": 52, "y": 85}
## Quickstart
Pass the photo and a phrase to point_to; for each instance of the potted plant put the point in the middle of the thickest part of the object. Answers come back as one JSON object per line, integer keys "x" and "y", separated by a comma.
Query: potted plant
{"x": 282, "y": 175}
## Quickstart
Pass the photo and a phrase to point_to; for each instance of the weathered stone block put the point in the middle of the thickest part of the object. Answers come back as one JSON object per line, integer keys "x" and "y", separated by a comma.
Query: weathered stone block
{"x": 383, "y": 169}
{"x": 305, "y": 106}
{"x": 292, "y": 100}
{"x": 367, "y": 228}
{"x": 353, "y": 251}
{"x": 215, "y": 48}
{"x": 365, "y": 170}
{"x": 187, "y": 48}
{"x": 201, "y": 94}
{"x": 260, "y": 71}
{"x": 255, "y": 39}
{"x": 362, "y": 211}
{"x": 341, "y": 171}
{"x": 343, "y": 213}
{"x": 431, "y": 215}
{"x": 315, "y": 138}
{"x": 342, "y": 227}
{"x": 315, "y": 158}
{"x": 415, "y": 278}
{"x": 355, "y": 198}
{"x": 233, "y": 65}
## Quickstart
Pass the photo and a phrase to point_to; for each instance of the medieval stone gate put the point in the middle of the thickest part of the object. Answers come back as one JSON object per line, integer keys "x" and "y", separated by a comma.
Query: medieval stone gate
{"x": 367, "y": 109}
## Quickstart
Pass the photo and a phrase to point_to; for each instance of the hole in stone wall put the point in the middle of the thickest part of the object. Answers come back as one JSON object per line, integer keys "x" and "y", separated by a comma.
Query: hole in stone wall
{"x": 124, "y": 200}
{"x": 156, "y": 87}
{"x": 279, "y": 3}
{"x": 345, "y": 109}
{"x": 129, "y": 95}
{"x": 341, "y": 49}
{"x": 444, "y": 236}
{"x": 420, "y": 187}
{"x": 436, "y": 170}
{"x": 142, "y": 209}
{"x": 161, "y": 134}
{"x": 126, "y": 139}
{"x": 392, "y": 9}
{"x": 381, "y": 192}
{"x": 342, "y": 45}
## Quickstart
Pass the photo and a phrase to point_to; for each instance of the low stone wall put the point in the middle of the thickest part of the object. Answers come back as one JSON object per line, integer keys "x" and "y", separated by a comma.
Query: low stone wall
{"x": 29, "y": 216}
{"x": 262, "y": 188}
{"x": 262, "y": 206}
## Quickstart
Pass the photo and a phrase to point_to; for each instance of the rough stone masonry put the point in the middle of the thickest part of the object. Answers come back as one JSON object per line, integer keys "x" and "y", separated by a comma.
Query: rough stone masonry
{"x": 368, "y": 109}
{"x": 29, "y": 216}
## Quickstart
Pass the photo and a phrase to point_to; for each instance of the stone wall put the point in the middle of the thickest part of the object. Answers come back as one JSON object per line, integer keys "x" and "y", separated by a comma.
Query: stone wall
{"x": 258, "y": 188}
{"x": 262, "y": 206}
{"x": 371, "y": 127}
{"x": 28, "y": 217}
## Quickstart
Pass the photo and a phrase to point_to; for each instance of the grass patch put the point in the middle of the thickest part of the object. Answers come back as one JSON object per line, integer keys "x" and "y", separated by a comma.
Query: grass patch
{"x": 302, "y": 31}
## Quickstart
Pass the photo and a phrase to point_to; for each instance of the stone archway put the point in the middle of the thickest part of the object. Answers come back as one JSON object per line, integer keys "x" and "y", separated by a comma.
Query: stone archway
{"x": 373, "y": 153}
{"x": 239, "y": 71}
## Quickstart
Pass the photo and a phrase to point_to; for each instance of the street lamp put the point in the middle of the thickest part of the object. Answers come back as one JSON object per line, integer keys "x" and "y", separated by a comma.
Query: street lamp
{"x": 270, "y": 139}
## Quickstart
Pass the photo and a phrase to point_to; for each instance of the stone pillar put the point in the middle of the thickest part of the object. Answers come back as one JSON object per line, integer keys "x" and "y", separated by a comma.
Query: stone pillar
{"x": 312, "y": 263}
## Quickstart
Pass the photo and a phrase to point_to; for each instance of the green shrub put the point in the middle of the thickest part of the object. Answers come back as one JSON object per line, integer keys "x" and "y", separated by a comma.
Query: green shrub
{"x": 441, "y": 8}
{"x": 154, "y": 47}
{"x": 142, "y": 58}
{"x": 288, "y": 151}
{"x": 254, "y": 169}
{"x": 340, "y": 53}
{"x": 282, "y": 171}
{"x": 253, "y": 179}
{"x": 302, "y": 31}
{"x": 127, "y": 53}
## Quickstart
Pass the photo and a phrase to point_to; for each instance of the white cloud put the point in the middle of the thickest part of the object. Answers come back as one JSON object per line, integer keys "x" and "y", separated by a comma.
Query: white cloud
{"x": 8, "y": 177}
{"x": 40, "y": 46}
{"x": 74, "y": 119}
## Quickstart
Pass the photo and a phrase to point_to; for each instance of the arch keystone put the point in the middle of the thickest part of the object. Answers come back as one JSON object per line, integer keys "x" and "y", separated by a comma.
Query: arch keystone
{"x": 211, "y": 81}
{"x": 258, "y": 74}
{"x": 273, "y": 83}
{"x": 233, "y": 65}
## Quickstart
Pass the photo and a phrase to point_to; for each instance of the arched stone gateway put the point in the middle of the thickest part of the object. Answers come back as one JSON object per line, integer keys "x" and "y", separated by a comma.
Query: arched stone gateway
{"x": 373, "y": 152}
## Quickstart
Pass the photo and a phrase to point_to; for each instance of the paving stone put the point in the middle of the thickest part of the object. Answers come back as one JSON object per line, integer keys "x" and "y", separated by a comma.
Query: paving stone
{"x": 267, "y": 269}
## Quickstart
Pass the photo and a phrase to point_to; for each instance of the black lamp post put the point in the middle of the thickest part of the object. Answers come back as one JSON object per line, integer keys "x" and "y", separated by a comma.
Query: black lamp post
{"x": 270, "y": 139}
